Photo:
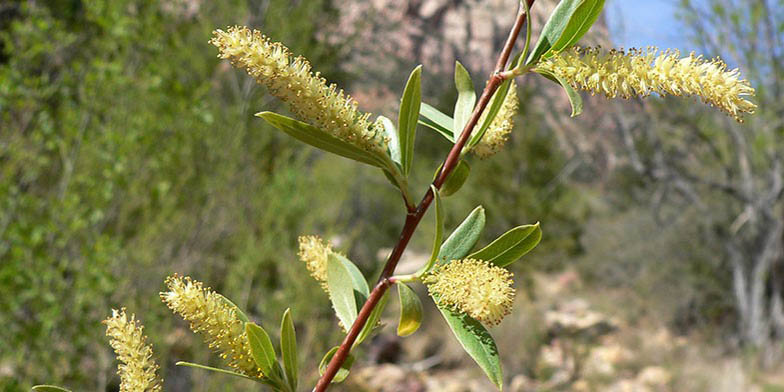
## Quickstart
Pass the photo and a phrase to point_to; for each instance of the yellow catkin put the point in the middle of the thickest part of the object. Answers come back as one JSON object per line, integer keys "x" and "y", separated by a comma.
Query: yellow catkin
{"x": 307, "y": 94}
{"x": 640, "y": 72}
{"x": 498, "y": 132}
{"x": 314, "y": 252}
{"x": 214, "y": 319}
{"x": 482, "y": 290}
{"x": 137, "y": 369}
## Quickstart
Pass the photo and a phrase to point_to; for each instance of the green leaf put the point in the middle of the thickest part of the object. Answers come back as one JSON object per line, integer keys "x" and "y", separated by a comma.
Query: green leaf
{"x": 288, "y": 348}
{"x": 456, "y": 178}
{"x": 394, "y": 142}
{"x": 320, "y": 139}
{"x": 477, "y": 342}
{"x": 574, "y": 97}
{"x": 344, "y": 369}
{"x": 340, "y": 283}
{"x": 372, "y": 322}
{"x": 510, "y": 246}
{"x": 261, "y": 348}
{"x": 439, "y": 236}
{"x": 464, "y": 237}
{"x": 492, "y": 110}
{"x": 358, "y": 282}
{"x": 436, "y": 120}
{"x": 466, "y": 98}
{"x": 579, "y": 24}
{"x": 554, "y": 28}
{"x": 240, "y": 314}
{"x": 50, "y": 388}
{"x": 407, "y": 117}
{"x": 410, "y": 310}
{"x": 217, "y": 370}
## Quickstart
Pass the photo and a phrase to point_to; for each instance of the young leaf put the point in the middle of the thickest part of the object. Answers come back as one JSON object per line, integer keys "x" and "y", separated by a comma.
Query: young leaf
{"x": 579, "y": 24}
{"x": 50, "y": 388}
{"x": 213, "y": 369}
{"x": 574, "y": 97}
{"x": 319, "y": 139}
{"x": 261, "y": 348}
{"x": 407, "y": 117}
{"x": 394, "y": 143}
{"x": 436, "y": 120}
{"x": 456, "y": 178}
{"x": 466, "y": 98}
{"x": 477, "y": 342}
{"x": 410, "y": 310}
{"x": 510, "y": 246}
{"x": 439, "y": 236}
{"x": 464, "y": 237}
{"x": 240, "y": 314}
{"x": 344, "y": 369}
{"x": 288, "y": 348}
{"x": 492, "y": 110}
{"x": 372, "y": 322}
{"x": 340, "y": 283}
{"x": 554, "y": 28}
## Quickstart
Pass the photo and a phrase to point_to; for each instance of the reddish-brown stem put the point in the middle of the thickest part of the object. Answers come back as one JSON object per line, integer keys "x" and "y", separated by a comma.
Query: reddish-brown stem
{"x": 415, "y": 216}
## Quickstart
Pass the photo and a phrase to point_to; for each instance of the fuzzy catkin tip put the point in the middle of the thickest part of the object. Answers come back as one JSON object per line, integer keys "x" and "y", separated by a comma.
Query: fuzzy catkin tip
{"x": 306, "y": 93}
{"x": 137, "y": 369}
{"x": 498, "y": 132}
{"x": 214, "y": 319}
{"x": 314, "y": 252}
{"x": 640, "y": 72}
{"x": 482, "y": 290}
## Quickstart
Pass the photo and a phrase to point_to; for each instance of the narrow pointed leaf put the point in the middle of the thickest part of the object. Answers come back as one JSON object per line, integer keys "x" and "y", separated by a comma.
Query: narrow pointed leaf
{"x": 340, "y": 283}
{"x": 439, "y": 235}
{"x": 574, "y": 97}
{"x": 466, "y": 99}
{"x": 344, "y": 369}
{"x": 320, "y": 139}
{"x": 240, "y": 314}
{"x": 261, "y": 348}
{"x": 410, "y": 310}
{"x": 477, "y": 342}
{"x": 214, "y": 369}
{"x": 456, "y": 178}
{"x": 580, "y": 22}
{"x": 510, "y": 246}
{"x": 437, "y": 120}
{"x": 288, "y": 349}
{"x": 394, "y": 142}
{"x": 373, "y": 319}
{"x": 50, "y": 388}
{"x": 492, "y": 110}
{"x": 407, "y": 117}
{"x": 554, "y": 28}
{"x": 463, "y": 239}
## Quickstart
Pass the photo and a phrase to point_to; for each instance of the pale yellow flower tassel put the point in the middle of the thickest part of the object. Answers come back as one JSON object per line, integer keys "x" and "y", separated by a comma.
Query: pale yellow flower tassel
{"x": 498, "y": 132}
{"x": 137, "y": 369}
{"x": 642, "y": 72}
{"x": 214, "y": 319}
{"x": 307, "y": 94}
{"x": 314, "y": 251}
{"x": 482, "y": 290}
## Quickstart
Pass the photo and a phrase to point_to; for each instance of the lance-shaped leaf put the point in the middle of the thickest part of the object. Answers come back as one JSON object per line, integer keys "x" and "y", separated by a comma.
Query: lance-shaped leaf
{"x": 463, "y": 239}
{"x": 320, "y": 139}
{"x": 261, "y": 348}
{"x": 477, "y": 342}
{"x": 410, "y": 310}
{"x": 456, "y": 179}
{"x": 49, "y": 388}
{"x": 288, "y": 349}
{"x": 510, "y": 246}
{"x": 407, "y": 117}
{"x": 580, "y": 22}
{"x": 217, "y": 370}
{"x": 466, "y": 98}
{"x": 439, "y": 235}
{"x": 341, "y": 285}
{"x": 492, "y": 110}
{"x": 437, "y": 121}
{"x": 344, "y": 369}
{"x": 554, "y": 28}
{"x": 574, "y": 97}
{"x": 393, "y": 139}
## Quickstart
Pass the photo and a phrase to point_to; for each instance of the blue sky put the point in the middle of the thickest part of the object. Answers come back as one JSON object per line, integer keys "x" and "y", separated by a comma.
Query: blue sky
{"x": 639, "y": 23}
